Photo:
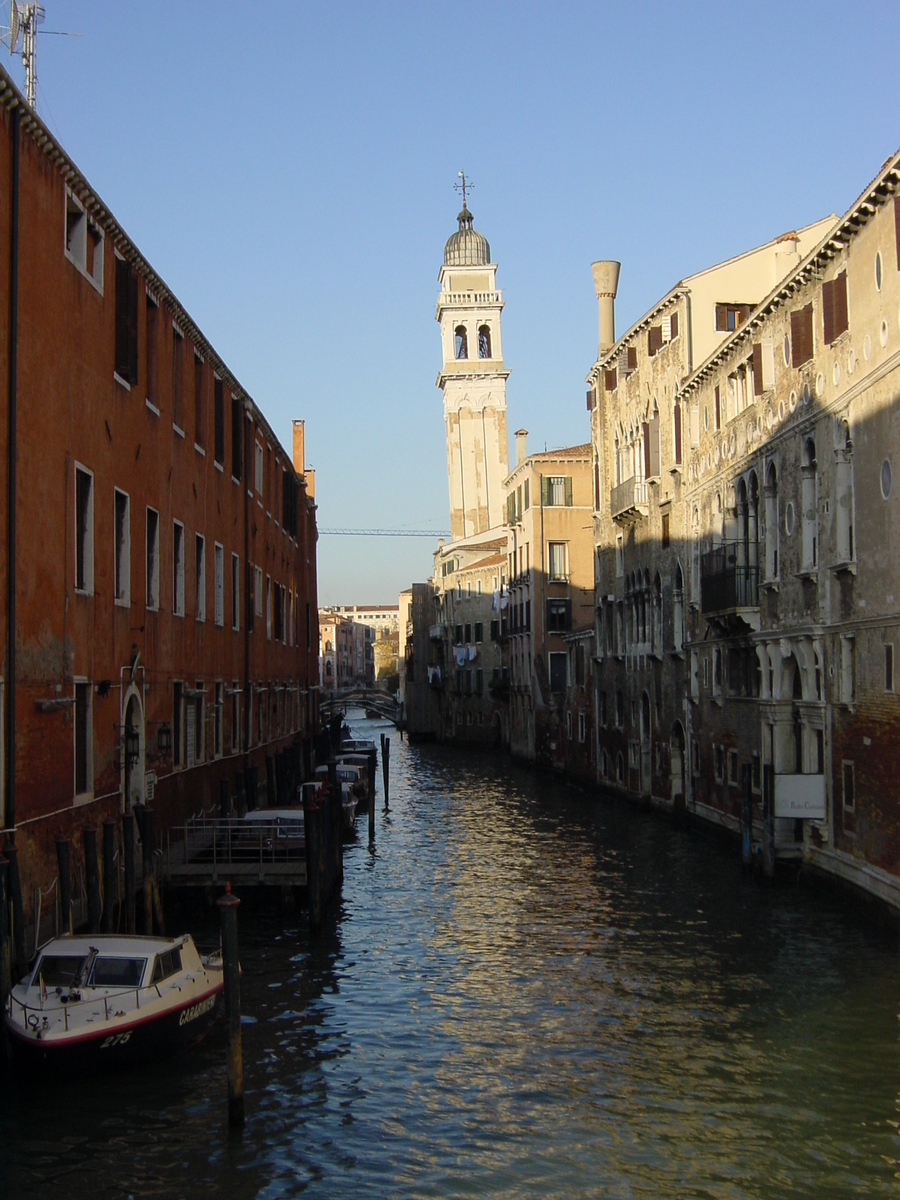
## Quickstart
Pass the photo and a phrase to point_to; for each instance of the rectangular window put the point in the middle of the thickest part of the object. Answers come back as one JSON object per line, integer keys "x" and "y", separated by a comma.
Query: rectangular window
{"x": 730, "y": 316}
{"x": 559, "y": 616}
{"x": 733, "y": 774}
{"x": 268, "y": 480}
{"x": 235, "y": 592}
{"x": 557, "y": 565}
{"x": 218, "y": 717}
{"x": 801, "y": 335}
{"x": 122, "y": 580}
{"x": 495, "y": 631}
{"x": 235, "y": 717}
{"x": 177, "y": 569}
{"x": 177, "y": 380}
{"x": 200, "y": 577}
{"x": 268, "y": 608}
{"x": 199, "y": 411}
{"x": 719, "y": 763}
{"x": 177, "y": 723}
{"x": 258, "y": 468}
{"x": 849, "y": 792}
{"x": 835, "y": 319}
{"x": 84, "y": 530}
{"x": 219, "y": 584}
{"x": 199, "y": 724}
{"x": 152, "y": 558}
{"x": 665, "y": 530}
{"x": 848, "y": 670}
{"x": 888, "y": 666}
{"x": 479, "y": 631}
{"x": 218, "y": 420}
{"x": 152, "y": 330}
{"x": 237, "y": 438}
{"x": 126, "y": 355}
{"x": 582, "y": 727}
{"x": 468, "y": 635}
{"x": 620, "y": 556}
{"x": 258, "y": 591}
{"x": 557, "y": 490}
{"x": 83, "y": 727}
{"x": 558, "y": 668}
{"x": 84, "y": 241}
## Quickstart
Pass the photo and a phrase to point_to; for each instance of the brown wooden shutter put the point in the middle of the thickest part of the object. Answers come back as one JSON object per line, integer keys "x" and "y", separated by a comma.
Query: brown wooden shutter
{"x": 632, "y": 358}
{"x": 568, "y": 491}
{"x": 677, "y": 424}
{"x": 673, "y": 330}
{"x": 611, "y": 380}
{"x": 718, "y": 413}
{"x": 743, "y": 313}
{"x": 841, "y": 317}
{"x": 596, "y": 485}
{"x": 654, "y": 339}
{"x": 721, "y": 317}
{"x": 828, "y": 321}
{"x": 590, "y": 400}
{"x": 654, "y": 447}
{"x": 645, "y": 430}
{"x": 758, "y": 388}
{"x": 801, "y": 336}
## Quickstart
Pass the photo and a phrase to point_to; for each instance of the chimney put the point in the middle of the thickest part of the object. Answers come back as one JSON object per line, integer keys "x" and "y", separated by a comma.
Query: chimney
{"x": 606, "y": 283}
{"x": 521, "y": 435}
{"x": 310, "y": 477}
{"x": 299, "y": 466}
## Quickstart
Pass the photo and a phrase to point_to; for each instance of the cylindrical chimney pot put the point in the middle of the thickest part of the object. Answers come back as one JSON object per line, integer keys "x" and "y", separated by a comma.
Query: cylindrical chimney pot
{"x": 606, "y": 284}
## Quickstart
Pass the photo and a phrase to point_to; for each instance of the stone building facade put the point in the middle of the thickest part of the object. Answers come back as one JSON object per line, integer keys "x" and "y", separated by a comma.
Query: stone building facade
{"x": 746, "y": 581}
{"x": 159, "y": 620}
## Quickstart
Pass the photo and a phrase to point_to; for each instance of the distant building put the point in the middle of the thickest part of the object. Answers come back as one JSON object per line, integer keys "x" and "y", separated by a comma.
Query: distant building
{"x": 336, "y": 651}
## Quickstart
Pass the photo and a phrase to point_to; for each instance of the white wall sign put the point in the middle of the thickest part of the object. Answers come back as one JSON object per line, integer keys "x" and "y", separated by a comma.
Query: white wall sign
{"x": 800, "y": 797}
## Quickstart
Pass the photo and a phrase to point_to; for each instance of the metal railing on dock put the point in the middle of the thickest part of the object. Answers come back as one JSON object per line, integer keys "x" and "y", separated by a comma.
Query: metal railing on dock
{"x": 256, "y": 851}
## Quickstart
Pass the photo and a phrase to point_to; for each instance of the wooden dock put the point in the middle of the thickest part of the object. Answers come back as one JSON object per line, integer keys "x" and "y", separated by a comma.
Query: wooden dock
{"x": 256, "y": 854}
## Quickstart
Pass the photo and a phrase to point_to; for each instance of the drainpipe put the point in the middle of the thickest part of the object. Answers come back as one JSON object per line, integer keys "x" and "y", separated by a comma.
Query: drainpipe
{"x": 10, "y": 814}
{"x": 248, "y": 687}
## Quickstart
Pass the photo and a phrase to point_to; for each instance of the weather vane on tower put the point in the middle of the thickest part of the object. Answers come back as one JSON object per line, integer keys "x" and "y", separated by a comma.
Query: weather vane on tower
{"x": 465, "y": 186}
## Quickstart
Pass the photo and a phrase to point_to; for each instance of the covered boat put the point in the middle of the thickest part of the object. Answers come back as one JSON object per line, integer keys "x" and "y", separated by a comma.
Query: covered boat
{"x": 101, "y": 1001}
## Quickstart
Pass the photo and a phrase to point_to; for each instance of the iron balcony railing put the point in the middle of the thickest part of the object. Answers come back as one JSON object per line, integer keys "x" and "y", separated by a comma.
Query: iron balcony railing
{"x": 627, "y": 497}
{"x": 724, "y": 583}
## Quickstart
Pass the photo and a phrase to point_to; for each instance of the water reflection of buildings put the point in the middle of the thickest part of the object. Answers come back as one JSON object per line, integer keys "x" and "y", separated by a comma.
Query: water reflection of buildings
{"x": 746, "y": 566}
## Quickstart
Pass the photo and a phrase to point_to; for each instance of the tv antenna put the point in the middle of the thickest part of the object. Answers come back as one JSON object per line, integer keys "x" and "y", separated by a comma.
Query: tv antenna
{"x": 24, "y": 19}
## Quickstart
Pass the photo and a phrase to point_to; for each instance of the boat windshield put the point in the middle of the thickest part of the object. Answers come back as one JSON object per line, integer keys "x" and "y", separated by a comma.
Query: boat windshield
{"x": 59, "y": 970}
{"x": 117, "y": 972}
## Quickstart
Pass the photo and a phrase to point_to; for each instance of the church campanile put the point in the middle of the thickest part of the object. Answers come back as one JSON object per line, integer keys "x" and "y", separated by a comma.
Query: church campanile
{"x": 473, "y": 381}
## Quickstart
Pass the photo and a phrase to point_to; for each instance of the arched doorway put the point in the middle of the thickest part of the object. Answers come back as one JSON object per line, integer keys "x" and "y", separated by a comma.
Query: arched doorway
{"x": 677, "y": 767}
{"x": 132, "y": 750}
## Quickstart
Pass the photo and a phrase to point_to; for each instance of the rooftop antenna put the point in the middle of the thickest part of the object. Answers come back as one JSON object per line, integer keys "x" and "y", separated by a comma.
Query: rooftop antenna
{"x": 24, "y": 20}
{"x": 465, "y": 186}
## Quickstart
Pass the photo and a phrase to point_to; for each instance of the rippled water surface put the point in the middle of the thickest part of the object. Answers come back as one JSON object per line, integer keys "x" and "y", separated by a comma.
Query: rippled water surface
{"x": 528, "y": 991}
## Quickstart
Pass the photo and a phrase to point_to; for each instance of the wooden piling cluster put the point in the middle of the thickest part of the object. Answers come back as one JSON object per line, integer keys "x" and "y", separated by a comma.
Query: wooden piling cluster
{"x": 324, "y": 846}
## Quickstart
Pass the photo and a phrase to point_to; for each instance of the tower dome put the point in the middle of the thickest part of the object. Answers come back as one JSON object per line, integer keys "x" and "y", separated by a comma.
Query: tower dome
{"x": 467, "y": 247}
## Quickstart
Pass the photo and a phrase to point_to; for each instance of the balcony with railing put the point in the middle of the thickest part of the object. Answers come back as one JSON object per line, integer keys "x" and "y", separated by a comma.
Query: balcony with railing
{"x": 628, "y": 499}
{"x": 727, "y": 585}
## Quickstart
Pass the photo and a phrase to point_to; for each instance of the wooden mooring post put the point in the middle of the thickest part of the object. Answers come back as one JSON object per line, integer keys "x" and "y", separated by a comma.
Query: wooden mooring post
{"x": 5, "y": 941}
{"x": 14, "y": 890}
{"x": 228, "y": 906}
{"x": 386, "y": 770}
{"x": 372, "y": 797}
{"x": 64, "y": 869}
{"x": 768, "y": 846}
{"x": 108, "y": 920}
{"x": 128, "y": 855}
{"x": 92, "y": 878}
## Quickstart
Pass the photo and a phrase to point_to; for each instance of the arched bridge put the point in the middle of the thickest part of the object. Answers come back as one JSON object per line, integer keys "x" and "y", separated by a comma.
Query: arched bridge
{"x": 371, "y": 699}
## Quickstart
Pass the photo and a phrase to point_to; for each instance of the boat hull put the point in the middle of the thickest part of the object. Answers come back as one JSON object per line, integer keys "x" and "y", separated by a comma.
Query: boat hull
{"x": 122, "y": 1043}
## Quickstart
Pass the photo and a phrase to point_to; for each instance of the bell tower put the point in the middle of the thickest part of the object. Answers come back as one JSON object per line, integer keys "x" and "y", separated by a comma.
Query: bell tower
{"x": 473, "y": 380}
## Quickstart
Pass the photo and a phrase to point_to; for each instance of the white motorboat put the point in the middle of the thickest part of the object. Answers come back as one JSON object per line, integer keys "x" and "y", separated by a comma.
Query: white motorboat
{"x": 102, "y": 1000}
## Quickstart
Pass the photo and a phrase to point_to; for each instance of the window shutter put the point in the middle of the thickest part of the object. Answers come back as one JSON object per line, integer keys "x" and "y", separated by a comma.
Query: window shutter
{"x": 757, "y": 369}
{"x": 718, "y": 412}
{"x": 611, "y": 380}
{"x": 632, "y": 358}
{"x": 677, "y": 426}
{"x": 645, "y": 431}
{"x": 801, "y": 336}
{"x": 654, "y": 339}
{"x": 768, "y": 363}
{"x": 744, "y": 312}
{"x": 623, "y": 362}
{"x": 841, "y": 318}
{"x": 568, "y": 491}
{"x": 721, "y": 317}
{"x": 596, "y": 485}
{"x": 132, "y": 327}
{"x": 590, "y": 401}
{"x": 828, "y": 312}
{"x": 695, "y": 425}
{"x": 666, "y": 329}
{"x": 653, "y": 429}
{"x": 545, "y": 491}
{"x": 673, "y": 327}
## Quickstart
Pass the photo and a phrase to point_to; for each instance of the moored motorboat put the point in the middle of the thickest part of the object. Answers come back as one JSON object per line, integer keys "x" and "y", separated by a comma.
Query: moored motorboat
{"x": 101, "y": 1000}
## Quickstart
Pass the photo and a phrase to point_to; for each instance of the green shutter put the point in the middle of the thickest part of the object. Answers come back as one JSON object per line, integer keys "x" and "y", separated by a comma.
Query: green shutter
{"x": 568, "y": 491}
{"x": 545, "y": 491}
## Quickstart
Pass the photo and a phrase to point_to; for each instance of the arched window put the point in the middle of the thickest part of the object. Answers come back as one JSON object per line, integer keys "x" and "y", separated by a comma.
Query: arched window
{"x": 328, "y": 670}
{"x": 772, "y": 531}
{"x": 462, "y": 342}
{"x": 810, "y": 514}
{"x": 678, "y": 604}
{"x": 843, "y": 499}
{"x": 484, "y": 341}
{"x": 328, "y": 647}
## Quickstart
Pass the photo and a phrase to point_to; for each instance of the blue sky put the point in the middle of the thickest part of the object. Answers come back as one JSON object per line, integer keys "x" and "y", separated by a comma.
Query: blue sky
{"x": 288, "y": 170}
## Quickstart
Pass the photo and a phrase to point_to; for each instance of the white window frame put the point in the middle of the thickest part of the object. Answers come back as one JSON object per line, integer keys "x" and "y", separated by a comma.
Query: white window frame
{"x": 268, "y": 608}
{"x": 151, "y": 566}
{"x": 219, "y": 720}
{"x": 218, "y": 583}
{"x": 200, "y": 577}
{"x": 257, "y": 591}
{"x": 77, "y": 252}
{"x": 177, "y": 571}
{"x": 557, "y": 578}
{"x": 87, "y": 550}
{"x": 122, "y": 553}
{"x": 258, "y": 467}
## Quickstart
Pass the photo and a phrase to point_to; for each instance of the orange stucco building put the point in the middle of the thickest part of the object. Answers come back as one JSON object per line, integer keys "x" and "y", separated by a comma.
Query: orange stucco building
{"x": 158, "y": 589}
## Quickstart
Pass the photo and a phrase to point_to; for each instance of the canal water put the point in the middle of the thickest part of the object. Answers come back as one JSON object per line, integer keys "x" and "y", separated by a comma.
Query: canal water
{"x": 529, "y": 990}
